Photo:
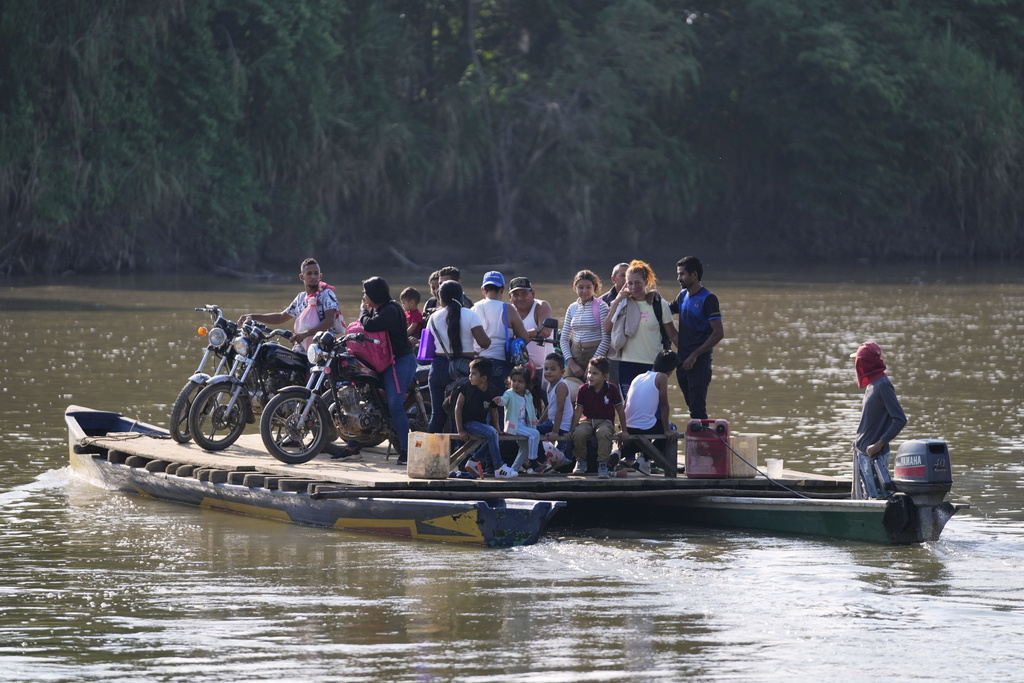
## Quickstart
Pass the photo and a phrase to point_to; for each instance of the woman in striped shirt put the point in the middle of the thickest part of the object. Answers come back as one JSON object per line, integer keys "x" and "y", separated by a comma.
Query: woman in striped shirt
{"x": 583, "y": 336}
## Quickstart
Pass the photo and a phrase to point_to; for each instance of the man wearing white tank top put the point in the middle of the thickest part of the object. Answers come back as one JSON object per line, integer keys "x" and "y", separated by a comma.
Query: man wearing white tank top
{"x": 534, "y": 312}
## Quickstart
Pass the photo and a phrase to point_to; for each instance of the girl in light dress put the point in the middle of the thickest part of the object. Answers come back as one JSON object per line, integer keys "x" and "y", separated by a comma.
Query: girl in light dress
{"x": 521, "y": 411}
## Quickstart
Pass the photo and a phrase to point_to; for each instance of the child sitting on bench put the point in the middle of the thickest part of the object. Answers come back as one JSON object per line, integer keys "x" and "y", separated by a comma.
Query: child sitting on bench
{"x": 647, "y": 409}
{"x": 597, "y": 403}
{"x": 471, "y": 412}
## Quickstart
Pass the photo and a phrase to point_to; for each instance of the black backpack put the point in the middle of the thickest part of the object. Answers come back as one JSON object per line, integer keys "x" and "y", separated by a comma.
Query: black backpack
{"x": 451, "y": 395}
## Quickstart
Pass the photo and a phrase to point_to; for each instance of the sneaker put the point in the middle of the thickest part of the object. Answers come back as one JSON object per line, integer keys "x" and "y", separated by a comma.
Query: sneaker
{"x": 505, "y": 472}
{"x": 534, "y": 467}
{"x": 474, "y": 466}
{"x": 403, "y": 458}
{"x": 643, "y": 465}
{"x": 343, "y": 453}
{"x": 581, "y": 467}
{"x": 602, "y": 470}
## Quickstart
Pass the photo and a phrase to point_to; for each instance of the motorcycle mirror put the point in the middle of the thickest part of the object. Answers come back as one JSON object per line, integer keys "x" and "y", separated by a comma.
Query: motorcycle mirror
{"x": 550, "y": 322}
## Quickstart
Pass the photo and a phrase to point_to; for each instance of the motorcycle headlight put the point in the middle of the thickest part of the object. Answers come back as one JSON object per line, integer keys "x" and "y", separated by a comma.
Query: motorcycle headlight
{"x": 217, "y": 337}
{"x": 313, "y": 353}
{"x": 241, "y": 346}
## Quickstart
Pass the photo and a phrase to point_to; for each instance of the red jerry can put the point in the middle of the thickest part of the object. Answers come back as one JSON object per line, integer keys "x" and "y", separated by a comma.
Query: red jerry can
{"x": 707, "y": 449}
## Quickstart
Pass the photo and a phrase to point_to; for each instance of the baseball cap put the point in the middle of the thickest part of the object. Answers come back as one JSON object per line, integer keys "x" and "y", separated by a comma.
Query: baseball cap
{"x": 519, "y": 283}
{"x": 495, "y": 278}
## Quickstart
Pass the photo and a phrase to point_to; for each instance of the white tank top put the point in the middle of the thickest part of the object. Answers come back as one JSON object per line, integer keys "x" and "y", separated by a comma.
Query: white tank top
{"x": 642, "y": 402}
{"x": 566, "y": 409}
{"x": 537, "y": 351}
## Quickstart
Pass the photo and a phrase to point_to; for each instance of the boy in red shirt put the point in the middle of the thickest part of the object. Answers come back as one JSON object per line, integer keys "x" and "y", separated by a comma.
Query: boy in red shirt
{"x": 597, "y": 403}
{"x": 410, "y": 298}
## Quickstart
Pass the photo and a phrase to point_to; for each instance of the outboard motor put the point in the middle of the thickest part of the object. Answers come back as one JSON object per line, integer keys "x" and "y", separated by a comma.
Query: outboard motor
{"x": 922, "y": 471}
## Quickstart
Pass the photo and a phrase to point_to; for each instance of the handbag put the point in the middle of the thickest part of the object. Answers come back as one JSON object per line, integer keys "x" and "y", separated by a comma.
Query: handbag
{"x": 515, "y": 348}
{"x": 426, "y": 349}
{"x": 457, "y": 367}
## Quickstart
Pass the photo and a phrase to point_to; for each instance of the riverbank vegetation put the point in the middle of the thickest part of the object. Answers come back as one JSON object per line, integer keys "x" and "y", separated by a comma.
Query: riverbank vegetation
{"x": 234, "y": 132}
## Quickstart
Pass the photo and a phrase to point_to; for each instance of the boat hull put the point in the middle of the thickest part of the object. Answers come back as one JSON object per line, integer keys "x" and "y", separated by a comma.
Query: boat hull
{"x": 495, "y": 523}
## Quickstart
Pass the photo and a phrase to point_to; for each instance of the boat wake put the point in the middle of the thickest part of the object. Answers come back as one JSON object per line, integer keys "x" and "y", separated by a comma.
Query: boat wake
{"x": 51, "y": 479}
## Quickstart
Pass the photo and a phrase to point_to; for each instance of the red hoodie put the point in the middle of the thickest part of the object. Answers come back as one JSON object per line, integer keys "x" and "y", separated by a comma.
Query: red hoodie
{"x": 869, "y": 363}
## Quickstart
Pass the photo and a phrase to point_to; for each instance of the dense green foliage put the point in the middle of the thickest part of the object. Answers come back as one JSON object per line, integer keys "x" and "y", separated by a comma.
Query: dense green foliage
{"x": 155, "y": 134}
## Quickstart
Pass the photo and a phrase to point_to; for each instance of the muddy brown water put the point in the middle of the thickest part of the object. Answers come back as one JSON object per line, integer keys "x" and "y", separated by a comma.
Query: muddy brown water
{"x": 100, "y": 586}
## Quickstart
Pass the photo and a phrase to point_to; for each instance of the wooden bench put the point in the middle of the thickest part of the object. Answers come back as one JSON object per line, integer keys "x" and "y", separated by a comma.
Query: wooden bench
{"x": 665, "y": 458}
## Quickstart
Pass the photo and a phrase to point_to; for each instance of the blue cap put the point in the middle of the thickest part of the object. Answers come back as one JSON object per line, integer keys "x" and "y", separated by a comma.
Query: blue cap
{"x": 495, "y": 278}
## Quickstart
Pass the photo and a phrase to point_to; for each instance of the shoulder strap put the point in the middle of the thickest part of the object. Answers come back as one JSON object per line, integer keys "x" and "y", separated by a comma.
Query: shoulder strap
{"x": 595, "y": 309}
{"x": 437, "y": 337}
{"x": 665, "y": 342}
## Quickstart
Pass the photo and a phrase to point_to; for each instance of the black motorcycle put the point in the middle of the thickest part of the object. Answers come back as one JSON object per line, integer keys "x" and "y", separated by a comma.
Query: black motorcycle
{"x": 343, "y": 398}
{"x": 262, "y": 368}
{"x": 218, "y": 338}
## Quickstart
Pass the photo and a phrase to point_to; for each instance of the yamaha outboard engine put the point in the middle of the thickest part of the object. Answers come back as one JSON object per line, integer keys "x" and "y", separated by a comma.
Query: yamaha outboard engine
{"x": 922, "y": 471}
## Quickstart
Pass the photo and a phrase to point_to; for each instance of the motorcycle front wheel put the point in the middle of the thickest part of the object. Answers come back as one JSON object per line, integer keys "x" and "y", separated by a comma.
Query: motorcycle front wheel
{"x": 178, "y": 423}
{"x": 287, "y": 436}
{"x": 213, "y": 426}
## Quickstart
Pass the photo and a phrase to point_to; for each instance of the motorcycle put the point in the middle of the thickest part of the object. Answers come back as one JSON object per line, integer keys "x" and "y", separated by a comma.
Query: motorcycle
{"x": 218, "y": 337}
{"x": 261, "y": 368}
{"x": 343, "y": 397}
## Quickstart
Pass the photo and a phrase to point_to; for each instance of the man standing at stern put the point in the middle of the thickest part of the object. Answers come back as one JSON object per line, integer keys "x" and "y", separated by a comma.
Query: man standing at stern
{"x": 881, "y": 419}
{"x": 700, "y": 328}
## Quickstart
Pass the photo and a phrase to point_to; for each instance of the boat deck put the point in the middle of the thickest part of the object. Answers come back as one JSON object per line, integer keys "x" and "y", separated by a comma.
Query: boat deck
{"x": 248, "y": 462}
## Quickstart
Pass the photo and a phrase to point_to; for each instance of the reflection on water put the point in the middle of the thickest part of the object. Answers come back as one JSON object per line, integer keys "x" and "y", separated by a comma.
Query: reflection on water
{"x": 112, "y": 587}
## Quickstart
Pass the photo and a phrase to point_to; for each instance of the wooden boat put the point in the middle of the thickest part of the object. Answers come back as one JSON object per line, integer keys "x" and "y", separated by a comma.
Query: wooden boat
{"x": 376, "y": 496}
{"x": 134, "y": 457}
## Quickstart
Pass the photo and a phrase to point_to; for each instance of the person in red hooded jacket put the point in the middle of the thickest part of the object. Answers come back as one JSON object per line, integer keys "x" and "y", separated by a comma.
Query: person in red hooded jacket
{"x": 881, "y": 419}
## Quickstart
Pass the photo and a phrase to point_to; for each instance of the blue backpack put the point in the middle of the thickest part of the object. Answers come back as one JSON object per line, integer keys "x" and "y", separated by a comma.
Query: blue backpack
{"x": 515, "y": 348}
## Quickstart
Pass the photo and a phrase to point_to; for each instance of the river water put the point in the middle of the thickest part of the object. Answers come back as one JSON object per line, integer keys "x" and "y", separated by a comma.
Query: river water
{"x": 110, "y": 587}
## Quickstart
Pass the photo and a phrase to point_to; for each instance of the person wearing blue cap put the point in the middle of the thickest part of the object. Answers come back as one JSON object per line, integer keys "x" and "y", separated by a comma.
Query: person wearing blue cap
{"x": 500, "y": 320}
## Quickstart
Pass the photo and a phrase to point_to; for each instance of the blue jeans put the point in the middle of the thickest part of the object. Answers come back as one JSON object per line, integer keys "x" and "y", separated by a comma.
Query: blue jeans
{"x": 489, "y": 433}
{"x": 438, "y": 381}
{"x": 628, "y": 371}
{"x": 865, "y": 482}
{"x": 499, "y": 374}
{"x": 405, "y": 370}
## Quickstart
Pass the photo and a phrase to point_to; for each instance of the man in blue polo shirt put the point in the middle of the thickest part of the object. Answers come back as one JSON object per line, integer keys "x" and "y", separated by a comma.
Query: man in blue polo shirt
{"x": 700, "y": 328}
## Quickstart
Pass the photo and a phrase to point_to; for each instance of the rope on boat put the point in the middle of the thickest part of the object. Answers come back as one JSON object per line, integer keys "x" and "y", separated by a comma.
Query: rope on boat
{"x": 765, "y": 474}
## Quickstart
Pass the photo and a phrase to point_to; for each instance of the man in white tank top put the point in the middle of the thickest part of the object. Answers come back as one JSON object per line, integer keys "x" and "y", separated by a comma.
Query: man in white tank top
{"x": 534, "y": 312}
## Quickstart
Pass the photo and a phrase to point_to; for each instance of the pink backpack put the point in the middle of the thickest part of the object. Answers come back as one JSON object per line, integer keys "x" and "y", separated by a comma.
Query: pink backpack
{"x": 377, "y": 356}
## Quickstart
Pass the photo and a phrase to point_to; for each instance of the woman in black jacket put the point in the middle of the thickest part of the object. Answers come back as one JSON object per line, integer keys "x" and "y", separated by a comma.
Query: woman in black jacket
{"x": 380, "y": 313}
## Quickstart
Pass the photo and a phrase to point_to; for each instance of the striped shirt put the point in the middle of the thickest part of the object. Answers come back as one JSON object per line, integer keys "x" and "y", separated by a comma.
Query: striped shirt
{"x": 580, "y": 326}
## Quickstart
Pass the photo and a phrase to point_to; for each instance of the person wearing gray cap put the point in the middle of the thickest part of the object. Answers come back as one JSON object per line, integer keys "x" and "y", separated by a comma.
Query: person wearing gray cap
{"x": 500, "y": 320}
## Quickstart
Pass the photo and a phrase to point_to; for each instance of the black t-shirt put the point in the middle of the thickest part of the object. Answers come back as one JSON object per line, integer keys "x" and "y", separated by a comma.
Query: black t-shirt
{"x": 477, "y": 403}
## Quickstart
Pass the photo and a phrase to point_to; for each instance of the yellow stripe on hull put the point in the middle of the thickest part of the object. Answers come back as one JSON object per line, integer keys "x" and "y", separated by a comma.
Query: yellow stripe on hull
{"x": 215, "y": 504}
{"x": 464, "y": 525}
